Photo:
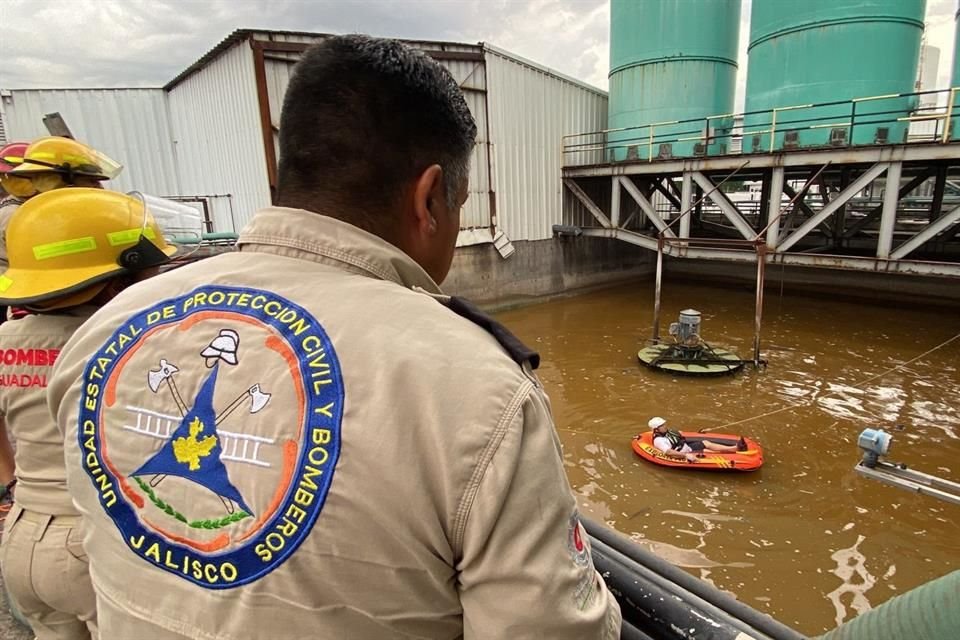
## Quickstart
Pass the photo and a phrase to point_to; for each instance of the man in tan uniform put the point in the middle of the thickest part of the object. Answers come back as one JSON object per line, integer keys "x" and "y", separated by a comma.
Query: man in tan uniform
{"x": 64, "y": 263}
{"x": 306, "y": 439}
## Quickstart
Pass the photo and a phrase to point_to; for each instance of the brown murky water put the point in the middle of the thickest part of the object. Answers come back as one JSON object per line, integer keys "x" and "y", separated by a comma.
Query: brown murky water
{"x": 805, "y": 538}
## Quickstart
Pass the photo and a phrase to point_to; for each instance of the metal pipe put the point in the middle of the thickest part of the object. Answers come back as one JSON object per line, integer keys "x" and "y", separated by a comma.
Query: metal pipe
{"x": 686, "y": 194}
{"x": 773, "y": 129}
{"x": 758, "y": 310}
{"x": 705, "y": 135}
{"x": 853, "y": 122}
{"x": 656, "y": 291}
{"x": 946, "y": 124}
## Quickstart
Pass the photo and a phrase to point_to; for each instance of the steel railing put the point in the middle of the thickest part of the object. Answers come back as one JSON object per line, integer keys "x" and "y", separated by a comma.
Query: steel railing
{"x": 595, "y": 147}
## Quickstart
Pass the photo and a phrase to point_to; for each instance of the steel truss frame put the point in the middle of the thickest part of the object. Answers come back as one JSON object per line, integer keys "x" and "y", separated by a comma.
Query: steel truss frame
{"x": 810, "y": 232}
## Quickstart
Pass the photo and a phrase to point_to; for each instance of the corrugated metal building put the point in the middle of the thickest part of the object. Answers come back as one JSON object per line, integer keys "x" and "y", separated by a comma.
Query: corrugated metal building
{"x": 211, "y": 132}
{"x": 129, "y": 125}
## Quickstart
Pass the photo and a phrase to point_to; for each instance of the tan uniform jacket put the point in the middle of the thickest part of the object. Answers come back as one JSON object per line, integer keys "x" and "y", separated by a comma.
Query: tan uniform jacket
{"x": 29, "y": 347}
{"x": 302, "y": 440}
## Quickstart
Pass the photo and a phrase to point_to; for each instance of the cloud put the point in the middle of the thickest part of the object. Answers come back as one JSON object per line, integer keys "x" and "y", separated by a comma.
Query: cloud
{"x": 148, "y": 42}
{"x": 114, "y": 43}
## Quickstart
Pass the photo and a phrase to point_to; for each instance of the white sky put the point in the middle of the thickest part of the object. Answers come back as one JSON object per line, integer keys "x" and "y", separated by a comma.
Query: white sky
{"x": 114, "y": 43}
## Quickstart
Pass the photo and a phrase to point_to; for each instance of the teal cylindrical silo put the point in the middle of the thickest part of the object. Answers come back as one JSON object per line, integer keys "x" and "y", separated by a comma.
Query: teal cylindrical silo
{"x": 671, "y": 60}
{"x": 955, "y": 77}
{"x": 819, "y": 51}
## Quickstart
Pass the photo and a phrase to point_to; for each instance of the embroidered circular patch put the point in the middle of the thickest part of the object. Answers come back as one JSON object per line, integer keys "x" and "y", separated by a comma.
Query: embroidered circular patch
{"x": 210, "y": 428}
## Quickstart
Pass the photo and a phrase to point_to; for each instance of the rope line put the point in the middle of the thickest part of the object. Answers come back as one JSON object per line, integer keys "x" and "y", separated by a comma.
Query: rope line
{"x": 788, "y": 407}
{"x": 814, "y": 400}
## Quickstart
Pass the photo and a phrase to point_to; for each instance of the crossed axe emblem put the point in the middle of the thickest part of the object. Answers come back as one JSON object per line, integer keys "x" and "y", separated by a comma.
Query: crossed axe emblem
{"x": 223, "y": 347}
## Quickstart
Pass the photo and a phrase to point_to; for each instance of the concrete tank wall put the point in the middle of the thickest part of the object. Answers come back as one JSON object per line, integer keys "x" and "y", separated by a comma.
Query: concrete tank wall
{"x": 543, "y": 269}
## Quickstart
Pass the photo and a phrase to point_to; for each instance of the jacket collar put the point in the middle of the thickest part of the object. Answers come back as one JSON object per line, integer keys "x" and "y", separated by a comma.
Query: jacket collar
{"x": 318, "y": 238}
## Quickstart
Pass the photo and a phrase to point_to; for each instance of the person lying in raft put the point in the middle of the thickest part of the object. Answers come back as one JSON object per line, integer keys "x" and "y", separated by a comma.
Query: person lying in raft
{"x": 674, "y": 445}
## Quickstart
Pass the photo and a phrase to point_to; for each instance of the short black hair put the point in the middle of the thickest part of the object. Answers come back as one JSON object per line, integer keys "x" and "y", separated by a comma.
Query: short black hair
{"x": 361, "y": 118}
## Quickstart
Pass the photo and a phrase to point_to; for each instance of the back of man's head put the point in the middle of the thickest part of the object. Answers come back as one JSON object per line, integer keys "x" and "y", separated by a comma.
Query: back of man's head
{"x": 362, "y": 118}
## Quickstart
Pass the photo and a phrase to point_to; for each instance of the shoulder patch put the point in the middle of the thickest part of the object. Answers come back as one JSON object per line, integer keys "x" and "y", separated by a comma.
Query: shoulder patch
{"x": 210, "y": 428}
{"x": 518, "y": 351}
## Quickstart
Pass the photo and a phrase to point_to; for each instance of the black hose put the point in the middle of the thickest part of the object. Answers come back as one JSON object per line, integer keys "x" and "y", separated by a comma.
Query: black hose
{"x": 666, "y": 614}
{"x": 684, "y": 581}
{"x": 630, "y": 632}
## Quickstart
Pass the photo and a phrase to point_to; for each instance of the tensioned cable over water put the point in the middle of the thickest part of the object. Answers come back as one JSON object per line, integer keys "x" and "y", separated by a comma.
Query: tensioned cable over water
{"x": 790, "y": 407}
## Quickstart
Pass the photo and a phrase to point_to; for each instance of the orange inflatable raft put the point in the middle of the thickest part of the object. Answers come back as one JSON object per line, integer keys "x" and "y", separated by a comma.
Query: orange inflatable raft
{"x": 748, "y": 460}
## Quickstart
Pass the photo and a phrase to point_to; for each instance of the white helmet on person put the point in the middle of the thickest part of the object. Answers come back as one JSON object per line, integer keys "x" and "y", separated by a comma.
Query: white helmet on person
{"x": 656, "y": 422}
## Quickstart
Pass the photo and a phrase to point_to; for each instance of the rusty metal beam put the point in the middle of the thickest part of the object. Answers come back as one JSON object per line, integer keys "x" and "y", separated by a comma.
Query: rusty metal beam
{"x": 266, "y": 124}
{"x": 282, "y": 47}
{"x": 300, "y": 47}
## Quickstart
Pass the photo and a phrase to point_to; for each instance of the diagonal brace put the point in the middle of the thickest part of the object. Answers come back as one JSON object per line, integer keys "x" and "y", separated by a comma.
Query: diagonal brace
{"x": 852, "y": 189}
{"x": 863, "y": 222}
{"x": 942, "y": 223}
{"x": 720, "y": 199}
{"x": 588, "y": 203}
{"x": 646, "y": 207}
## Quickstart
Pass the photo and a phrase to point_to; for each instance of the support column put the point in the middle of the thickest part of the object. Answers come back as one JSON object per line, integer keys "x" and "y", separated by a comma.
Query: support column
{"x": 656, "y": 290}
{"x": 938, "y": 187}
{"x": 686, "y": 198}
{"x": 773, "y": 206}
{"x": 764, "y": 208}
{"x": 758, "y": 309}
{"x": 888, "y": 217}
{"x": 615, "y": 202}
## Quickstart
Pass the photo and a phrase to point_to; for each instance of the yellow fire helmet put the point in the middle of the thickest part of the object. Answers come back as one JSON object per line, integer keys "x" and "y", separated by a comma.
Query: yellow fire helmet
{"x": 63, "y": 243}
{"x": 66, "y": 157}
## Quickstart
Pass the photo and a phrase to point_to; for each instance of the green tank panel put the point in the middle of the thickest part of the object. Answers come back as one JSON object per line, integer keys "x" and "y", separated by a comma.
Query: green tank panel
{"x": 671, "y": 60}
{"x": 819, "y": 51}
{"x": 955, "y": 77}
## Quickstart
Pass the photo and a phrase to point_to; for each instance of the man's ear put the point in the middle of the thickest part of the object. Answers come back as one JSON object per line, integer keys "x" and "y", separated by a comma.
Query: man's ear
{"x": 428, "y": 195}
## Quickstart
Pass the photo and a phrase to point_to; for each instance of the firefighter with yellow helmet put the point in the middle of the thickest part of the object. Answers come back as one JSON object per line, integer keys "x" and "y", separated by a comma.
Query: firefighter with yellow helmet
{"x": 13, "y": 192}
{"x": 72, "y": 250}
{"x": 44, "y": 165}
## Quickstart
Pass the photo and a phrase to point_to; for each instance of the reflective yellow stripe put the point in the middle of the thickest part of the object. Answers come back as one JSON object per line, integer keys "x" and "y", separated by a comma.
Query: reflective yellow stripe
{"x": 129, "y": 236}
{"x": 64, "y": 248}
{"x": 5, "y": 283}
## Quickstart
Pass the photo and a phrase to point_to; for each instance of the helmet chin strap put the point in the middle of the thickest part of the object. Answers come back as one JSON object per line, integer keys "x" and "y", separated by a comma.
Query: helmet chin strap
{"x": 142, "y": 255}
